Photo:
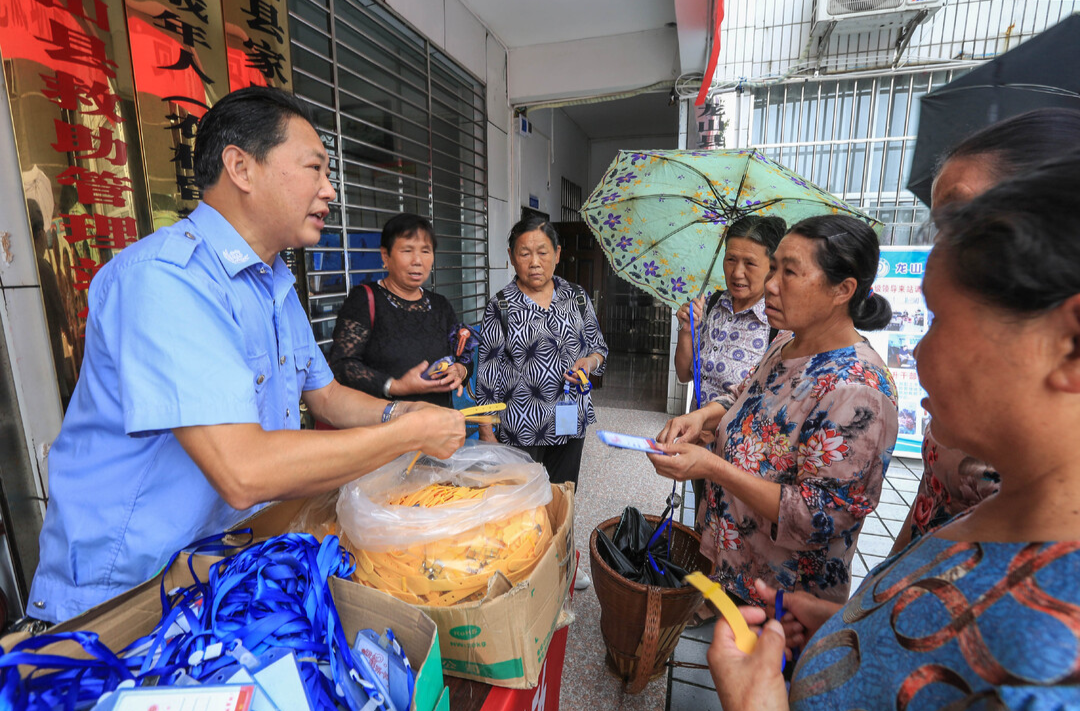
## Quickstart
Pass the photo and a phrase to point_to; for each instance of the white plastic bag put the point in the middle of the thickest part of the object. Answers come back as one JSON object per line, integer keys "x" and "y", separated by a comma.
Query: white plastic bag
{"x": 514, "y": 484}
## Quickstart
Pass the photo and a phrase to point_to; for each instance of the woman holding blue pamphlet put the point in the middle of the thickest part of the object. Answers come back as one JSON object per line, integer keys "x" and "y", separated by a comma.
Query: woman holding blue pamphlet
{"x": 539, "y": 337}
{"x": 983, "y": 612}
{"x": 396, "y": 339}
{"x": 731, "y": 326}
{"x": 802, "y": 446}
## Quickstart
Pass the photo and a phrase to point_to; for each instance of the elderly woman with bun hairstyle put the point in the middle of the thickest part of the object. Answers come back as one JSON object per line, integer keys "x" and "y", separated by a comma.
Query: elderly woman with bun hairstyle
{"x": 801, "y": 448}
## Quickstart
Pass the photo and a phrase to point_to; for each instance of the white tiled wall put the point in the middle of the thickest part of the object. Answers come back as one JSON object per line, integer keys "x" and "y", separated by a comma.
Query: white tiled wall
{"x": 677, "y": 392}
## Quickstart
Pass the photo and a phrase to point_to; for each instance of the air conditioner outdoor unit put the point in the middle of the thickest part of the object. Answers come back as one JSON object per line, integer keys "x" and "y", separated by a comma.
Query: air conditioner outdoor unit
{"x": 842, "y": 17}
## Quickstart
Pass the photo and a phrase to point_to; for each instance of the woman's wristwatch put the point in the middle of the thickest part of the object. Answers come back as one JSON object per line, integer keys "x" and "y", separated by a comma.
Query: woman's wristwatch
{"x": 388, "y": 411}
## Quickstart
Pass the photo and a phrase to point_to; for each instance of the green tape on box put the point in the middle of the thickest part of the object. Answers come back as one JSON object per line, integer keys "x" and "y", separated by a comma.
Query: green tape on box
{"x": 508, "y": 669}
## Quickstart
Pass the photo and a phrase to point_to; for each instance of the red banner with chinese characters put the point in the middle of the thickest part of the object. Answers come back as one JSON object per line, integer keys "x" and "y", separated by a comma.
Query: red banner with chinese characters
{"x": 181, "y": 69}
{"x": 106, "y": 97}
{"x": 72, "y": 102}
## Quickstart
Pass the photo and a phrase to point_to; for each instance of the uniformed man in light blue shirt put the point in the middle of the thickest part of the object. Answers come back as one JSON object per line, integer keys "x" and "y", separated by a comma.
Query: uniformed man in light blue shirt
{"x": 198, "y": 353}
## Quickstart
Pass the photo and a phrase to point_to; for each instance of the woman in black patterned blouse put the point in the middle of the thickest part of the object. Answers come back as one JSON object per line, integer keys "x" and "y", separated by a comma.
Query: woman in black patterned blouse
{"x": 413, "y": 327}
{"x": 536, "y": 330}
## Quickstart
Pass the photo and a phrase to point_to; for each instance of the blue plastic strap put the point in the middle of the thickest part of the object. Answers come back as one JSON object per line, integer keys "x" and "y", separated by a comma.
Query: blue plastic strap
{"x": 66, "y": 687}
{"x": 410, "y": 677}
{"x": 695, "y": 347}
{"x": 779, "y": 613}
{"x": 271, "y": 596}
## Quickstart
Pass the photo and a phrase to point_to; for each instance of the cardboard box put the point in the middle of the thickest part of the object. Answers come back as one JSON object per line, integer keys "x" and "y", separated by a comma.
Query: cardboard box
{"x": 545, "y": 697}
{"x": 503, "y": 639}
{"x": 127, "y": 617}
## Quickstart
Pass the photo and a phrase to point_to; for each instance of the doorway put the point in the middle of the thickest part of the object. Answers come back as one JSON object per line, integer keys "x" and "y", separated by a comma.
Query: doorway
{"x": 636, "y": 326}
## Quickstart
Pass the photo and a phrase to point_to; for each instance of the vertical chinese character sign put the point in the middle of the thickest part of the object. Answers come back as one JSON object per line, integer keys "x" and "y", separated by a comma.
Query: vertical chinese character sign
{"x": 178, "y": 54}
{"x": 257, "y": 41}
{"x": 106, "y": 98}
{"x": 899, "y": 280}
{"x": 69, "y": 81}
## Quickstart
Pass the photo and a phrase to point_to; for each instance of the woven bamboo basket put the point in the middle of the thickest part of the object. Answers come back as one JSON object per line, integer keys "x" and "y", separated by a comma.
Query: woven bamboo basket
{"x": 641, "y": 624}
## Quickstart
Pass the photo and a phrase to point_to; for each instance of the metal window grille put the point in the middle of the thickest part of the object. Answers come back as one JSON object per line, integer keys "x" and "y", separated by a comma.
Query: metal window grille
{"x": 763, "y": 40}
{"x": 853, "y": 137}
{"x": 571, "y": 201}
{"x": 405, "y": 129}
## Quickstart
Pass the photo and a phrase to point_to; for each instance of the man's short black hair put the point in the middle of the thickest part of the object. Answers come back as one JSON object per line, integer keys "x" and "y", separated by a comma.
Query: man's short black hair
{"x": 252, "y": 119}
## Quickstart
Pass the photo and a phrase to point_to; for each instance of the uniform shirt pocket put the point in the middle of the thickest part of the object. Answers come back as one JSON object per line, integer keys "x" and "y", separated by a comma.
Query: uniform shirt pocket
{"x": 302, "y": 359}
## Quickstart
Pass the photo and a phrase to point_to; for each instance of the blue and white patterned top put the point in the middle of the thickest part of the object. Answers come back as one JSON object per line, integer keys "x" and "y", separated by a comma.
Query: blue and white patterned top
{"x": 732, "y": 345}
{"x": 543, "y": 344}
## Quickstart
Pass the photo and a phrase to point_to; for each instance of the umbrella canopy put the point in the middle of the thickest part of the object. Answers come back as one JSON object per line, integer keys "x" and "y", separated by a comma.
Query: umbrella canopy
{"x": 1040, "y": 73}
{"x": 662, "y": 217}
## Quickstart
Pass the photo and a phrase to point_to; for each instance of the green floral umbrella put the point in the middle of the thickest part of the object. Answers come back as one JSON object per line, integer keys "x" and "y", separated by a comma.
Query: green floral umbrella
{"x": 662, "y": 217}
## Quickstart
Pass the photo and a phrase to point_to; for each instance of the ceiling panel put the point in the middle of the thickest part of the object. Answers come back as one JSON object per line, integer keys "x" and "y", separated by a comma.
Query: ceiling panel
{"x": 521, "y": 23}
{"x": 642, "y": 115}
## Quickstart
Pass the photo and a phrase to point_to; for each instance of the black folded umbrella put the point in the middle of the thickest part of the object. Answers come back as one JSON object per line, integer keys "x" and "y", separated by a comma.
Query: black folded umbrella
{"x": 1040, "y": 73}
{"x": 640, "y": 552}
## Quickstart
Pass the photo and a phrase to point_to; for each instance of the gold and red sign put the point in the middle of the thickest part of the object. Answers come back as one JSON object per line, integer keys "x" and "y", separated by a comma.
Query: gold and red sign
{"x": 106, "y": 97}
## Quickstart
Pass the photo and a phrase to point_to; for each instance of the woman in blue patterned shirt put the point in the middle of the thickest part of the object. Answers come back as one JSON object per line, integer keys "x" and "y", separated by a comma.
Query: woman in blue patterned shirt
{"x": 536, "y": 331}
{"x": 983, "y": 612}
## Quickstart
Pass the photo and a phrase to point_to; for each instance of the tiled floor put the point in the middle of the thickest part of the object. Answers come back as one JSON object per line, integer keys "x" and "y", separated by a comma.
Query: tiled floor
{"x": 635, "y": 381}
{"x": 612, "y": 479}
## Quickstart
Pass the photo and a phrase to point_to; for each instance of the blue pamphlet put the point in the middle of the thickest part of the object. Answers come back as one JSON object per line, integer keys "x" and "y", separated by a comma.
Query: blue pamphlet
{"x": 625, "y": 441}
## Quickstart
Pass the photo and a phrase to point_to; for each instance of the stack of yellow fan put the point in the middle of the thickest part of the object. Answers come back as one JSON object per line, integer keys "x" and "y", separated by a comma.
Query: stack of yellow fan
{"x": 455, "y": 570}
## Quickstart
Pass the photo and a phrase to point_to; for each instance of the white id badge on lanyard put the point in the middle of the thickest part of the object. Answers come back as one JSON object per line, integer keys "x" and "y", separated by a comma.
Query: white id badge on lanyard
{"x": 566, "y": 414}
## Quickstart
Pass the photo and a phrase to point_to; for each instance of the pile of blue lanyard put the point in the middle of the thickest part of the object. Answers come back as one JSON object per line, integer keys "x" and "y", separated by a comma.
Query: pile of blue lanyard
{"x": 269, "y": 598}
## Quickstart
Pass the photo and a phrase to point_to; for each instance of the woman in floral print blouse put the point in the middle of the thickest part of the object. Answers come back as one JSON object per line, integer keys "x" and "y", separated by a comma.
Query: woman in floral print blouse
{"x": 801, "y": 450}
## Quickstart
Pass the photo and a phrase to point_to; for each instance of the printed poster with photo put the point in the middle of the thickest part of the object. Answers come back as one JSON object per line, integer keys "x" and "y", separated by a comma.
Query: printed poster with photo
{"x": 899, "y": 279}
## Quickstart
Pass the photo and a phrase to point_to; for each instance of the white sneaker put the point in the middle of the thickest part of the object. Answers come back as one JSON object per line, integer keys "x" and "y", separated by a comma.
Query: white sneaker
{"x": 583, "y": 580}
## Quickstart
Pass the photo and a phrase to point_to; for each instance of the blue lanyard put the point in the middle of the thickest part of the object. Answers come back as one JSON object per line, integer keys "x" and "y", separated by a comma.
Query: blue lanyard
{"x": 270, "y": 596}
{"x": 695, "y": 344}
{"x": 674, "y": 500}
{"x": 76, "y": 681}
{"x": 779, "y": 615}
